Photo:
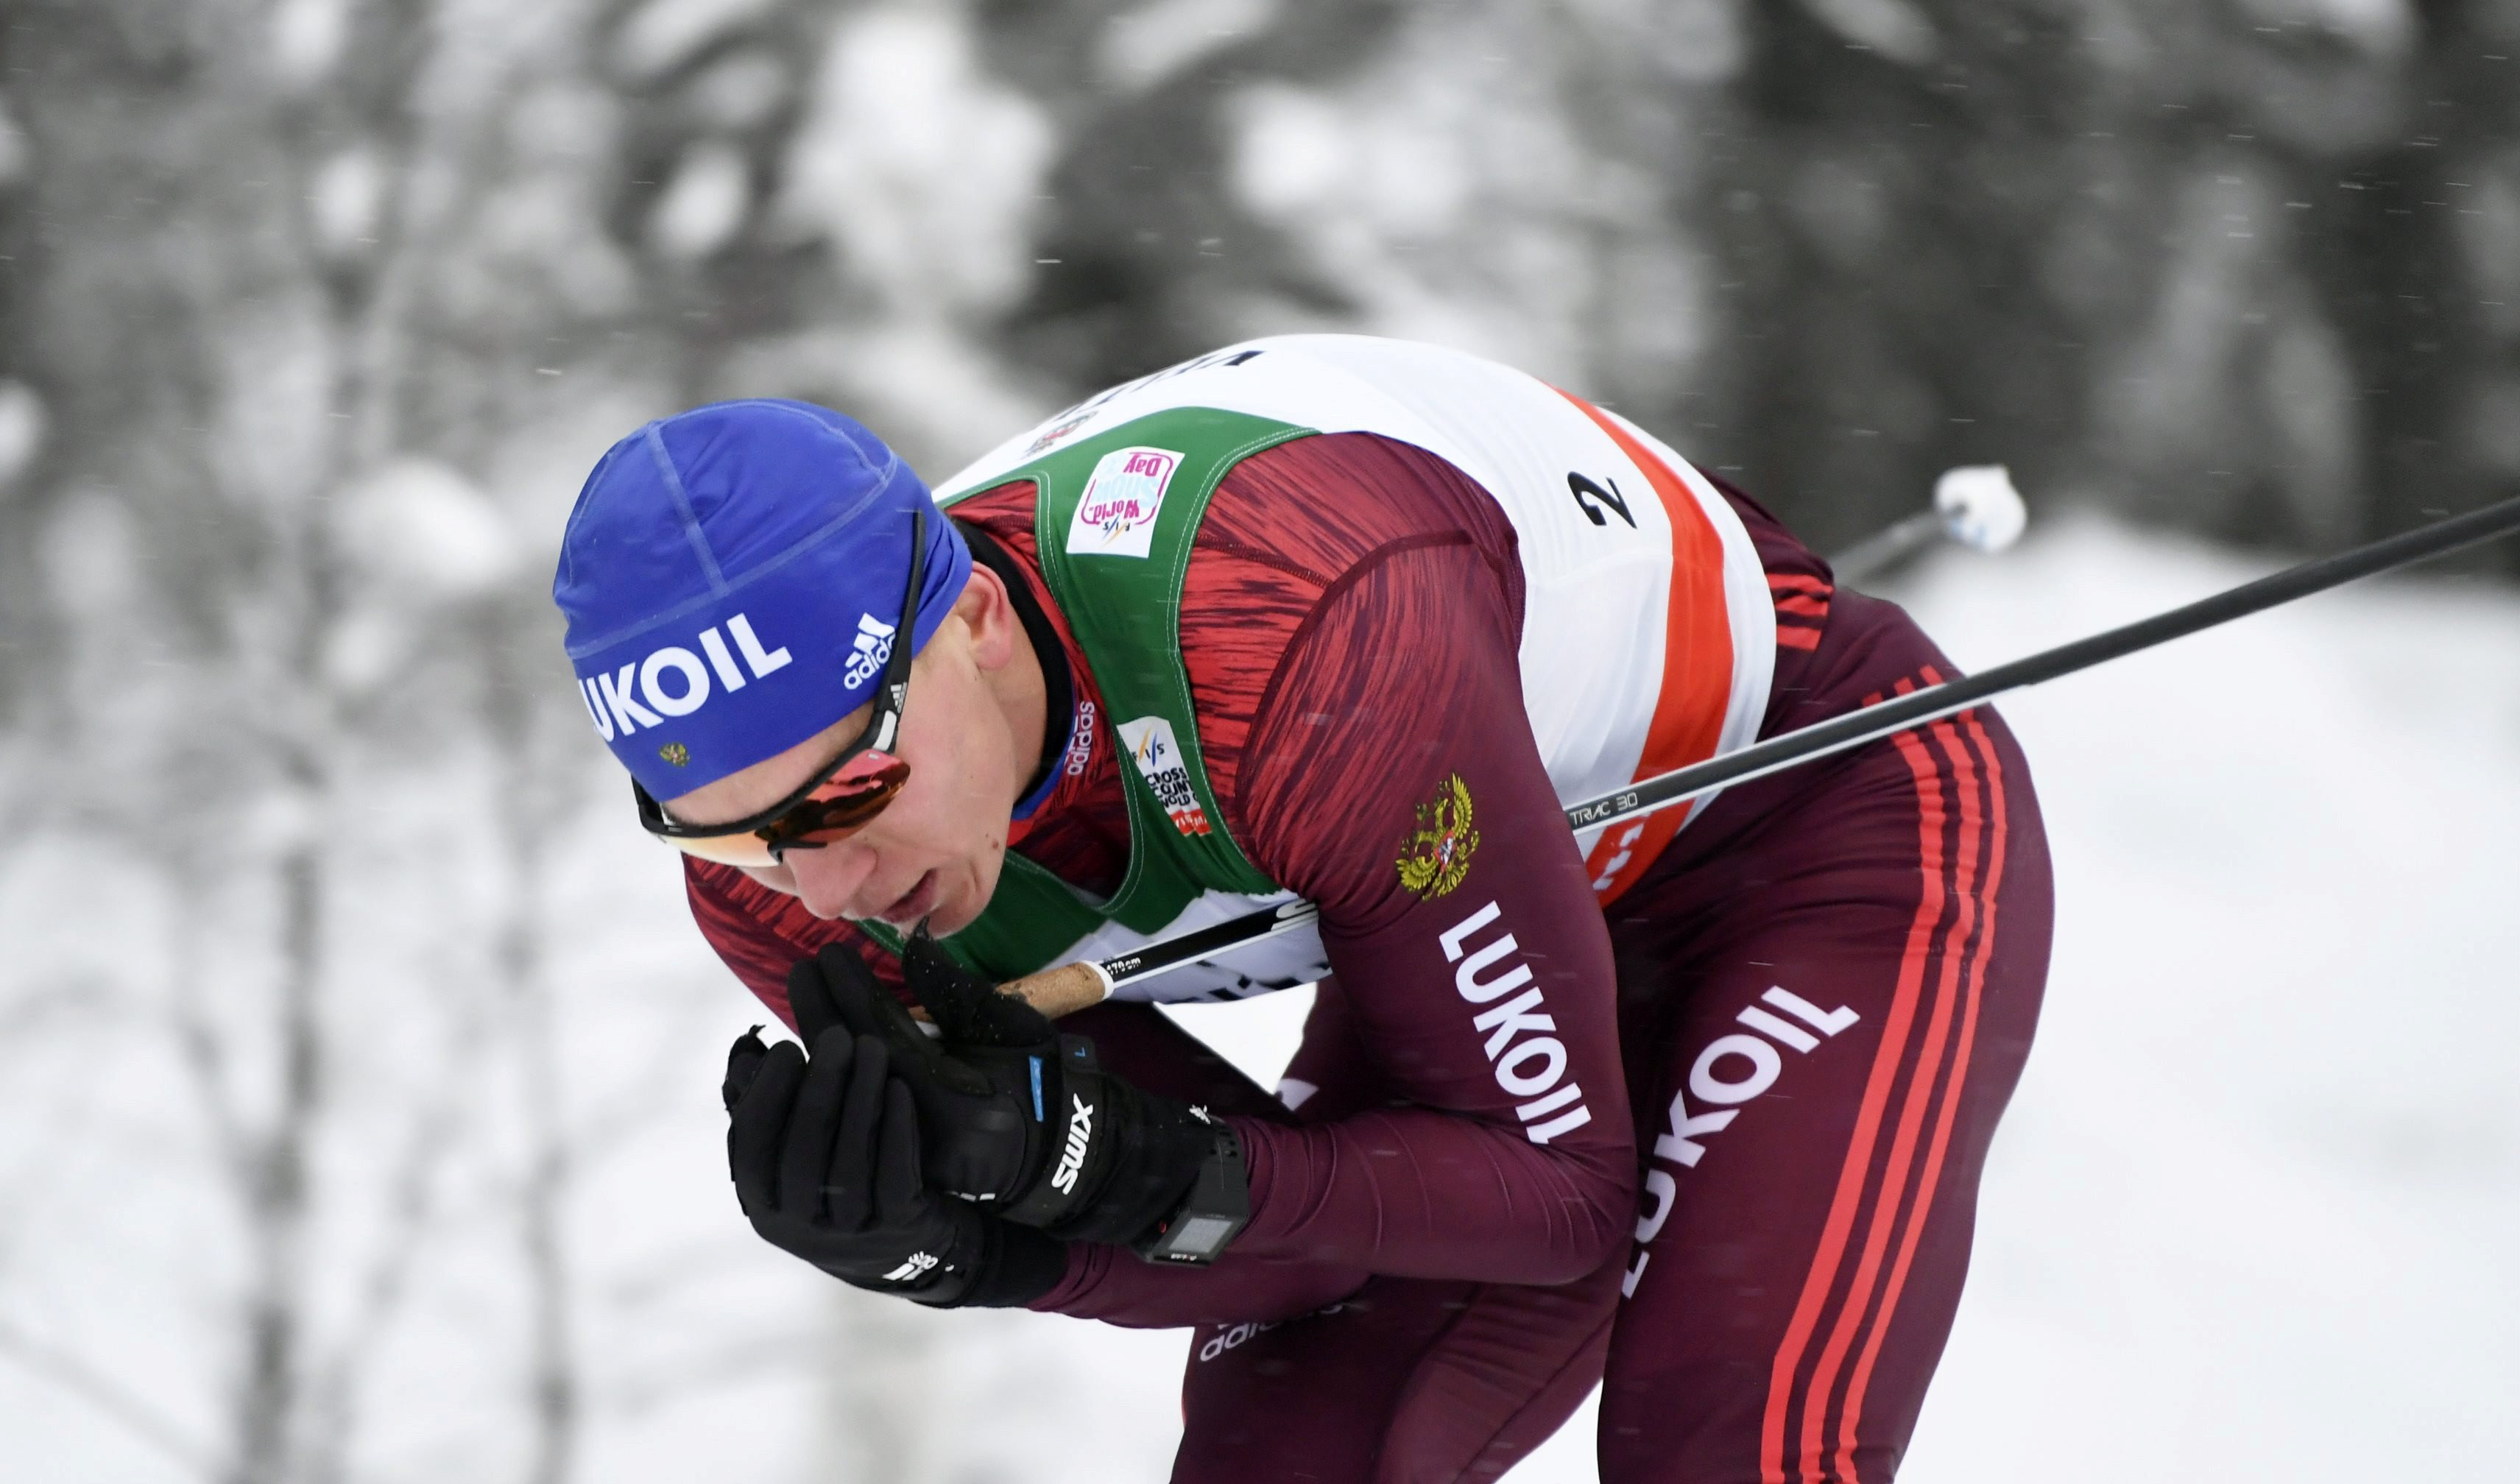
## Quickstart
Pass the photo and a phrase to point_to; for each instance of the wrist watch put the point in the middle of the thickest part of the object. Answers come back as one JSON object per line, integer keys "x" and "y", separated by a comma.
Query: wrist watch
{"x": 1214, "y": 1213}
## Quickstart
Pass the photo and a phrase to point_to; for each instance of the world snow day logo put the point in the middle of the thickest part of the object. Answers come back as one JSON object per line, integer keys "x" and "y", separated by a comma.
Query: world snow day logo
{"x": 1116, "y": 518}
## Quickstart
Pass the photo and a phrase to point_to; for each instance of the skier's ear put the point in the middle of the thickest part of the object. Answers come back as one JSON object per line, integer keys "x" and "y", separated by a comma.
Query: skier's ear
{"x": 989, "y": 613}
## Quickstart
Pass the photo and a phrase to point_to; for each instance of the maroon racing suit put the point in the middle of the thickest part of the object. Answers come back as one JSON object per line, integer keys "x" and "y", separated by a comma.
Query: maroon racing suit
{"x": 1794, "y": 1035}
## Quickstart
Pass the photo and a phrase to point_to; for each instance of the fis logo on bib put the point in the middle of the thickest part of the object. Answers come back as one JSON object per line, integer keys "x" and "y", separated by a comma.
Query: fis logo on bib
{"x": 1151, "y": 744}
{"x": 1117, "y": 516}
{"x": 867, "y": 654}
{"x": 675, "y": 682}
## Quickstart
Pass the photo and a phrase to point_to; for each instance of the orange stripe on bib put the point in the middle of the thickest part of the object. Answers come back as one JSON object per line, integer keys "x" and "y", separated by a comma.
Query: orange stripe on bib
{"x": 1697, "y": 684}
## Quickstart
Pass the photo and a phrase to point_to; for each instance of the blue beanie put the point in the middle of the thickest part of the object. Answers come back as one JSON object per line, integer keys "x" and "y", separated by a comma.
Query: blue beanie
{"x": 733, "y": 583}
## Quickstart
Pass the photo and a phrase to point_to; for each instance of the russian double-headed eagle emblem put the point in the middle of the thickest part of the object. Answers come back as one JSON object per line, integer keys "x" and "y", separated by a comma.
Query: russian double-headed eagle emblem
{"x": 1436, "y": 856}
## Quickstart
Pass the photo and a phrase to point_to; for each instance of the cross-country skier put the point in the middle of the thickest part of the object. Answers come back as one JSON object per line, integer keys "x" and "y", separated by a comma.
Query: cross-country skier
{"x": 1695, "y": 1107}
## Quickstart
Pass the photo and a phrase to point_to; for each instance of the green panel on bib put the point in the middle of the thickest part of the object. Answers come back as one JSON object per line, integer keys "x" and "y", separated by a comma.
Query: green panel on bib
{"x": 1116, "y": 515}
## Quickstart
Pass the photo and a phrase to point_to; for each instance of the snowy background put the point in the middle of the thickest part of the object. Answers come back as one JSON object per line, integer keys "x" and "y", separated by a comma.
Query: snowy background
{"x": 358, "y": 1063}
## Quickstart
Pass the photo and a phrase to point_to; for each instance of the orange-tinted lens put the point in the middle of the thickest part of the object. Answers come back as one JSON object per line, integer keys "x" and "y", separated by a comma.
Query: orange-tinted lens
{"x": 724, "y": 849}
{"x": 839, "y": 807}
{"x": 845, "y": 802}
{"x": 835, "y": 810}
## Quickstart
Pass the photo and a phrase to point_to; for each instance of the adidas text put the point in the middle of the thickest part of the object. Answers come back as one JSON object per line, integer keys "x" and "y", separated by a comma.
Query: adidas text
{"x": 868, "y": 653}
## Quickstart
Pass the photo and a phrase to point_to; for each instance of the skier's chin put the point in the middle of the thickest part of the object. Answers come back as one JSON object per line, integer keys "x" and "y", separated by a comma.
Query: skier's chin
{"x": 965, "y": 894}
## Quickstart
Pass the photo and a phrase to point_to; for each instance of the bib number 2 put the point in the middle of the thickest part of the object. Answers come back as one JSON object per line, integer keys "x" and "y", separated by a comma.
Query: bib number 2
{"x": 1591, "y": 498}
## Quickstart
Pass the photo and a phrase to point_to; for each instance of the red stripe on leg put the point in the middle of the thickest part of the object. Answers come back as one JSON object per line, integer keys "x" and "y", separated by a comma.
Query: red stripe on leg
{"x": 1831, "y": 1252}
{"x": 1914, "y": 1108}
{"x": 1947, "y": 736}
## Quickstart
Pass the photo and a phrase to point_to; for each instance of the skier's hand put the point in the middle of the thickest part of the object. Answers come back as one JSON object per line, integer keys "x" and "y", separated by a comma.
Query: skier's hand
{"x": 824, "y": 1154}
{"x": 982, "y": 1137}
{"x": 1014, "y": 1114}
{"x": 969, "y": 1011}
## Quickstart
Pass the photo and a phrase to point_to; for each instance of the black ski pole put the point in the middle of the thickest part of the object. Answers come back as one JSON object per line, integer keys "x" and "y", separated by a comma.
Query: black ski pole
{"x": 1056, "y": 991}
{"x": 1934, "y": 702}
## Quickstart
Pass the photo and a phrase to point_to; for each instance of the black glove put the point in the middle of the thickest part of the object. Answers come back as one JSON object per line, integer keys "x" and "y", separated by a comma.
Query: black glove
{"x": 824, "y": 1154}
{"x": 1014, "y": 1114}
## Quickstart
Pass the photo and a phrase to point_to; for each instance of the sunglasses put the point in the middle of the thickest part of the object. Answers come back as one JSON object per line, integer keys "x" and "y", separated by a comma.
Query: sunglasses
{"x": 837, "y": 801}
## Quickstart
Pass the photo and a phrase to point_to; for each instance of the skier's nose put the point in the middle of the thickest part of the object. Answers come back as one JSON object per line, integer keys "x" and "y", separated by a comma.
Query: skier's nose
{"x": 829, "y": 875}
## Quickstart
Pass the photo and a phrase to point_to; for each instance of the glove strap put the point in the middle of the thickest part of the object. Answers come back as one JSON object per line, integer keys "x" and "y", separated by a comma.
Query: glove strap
{"x": 1016, "y": 1266}
{"x": 1120, "y": 1160}
{"x": 1083, "y": 1128}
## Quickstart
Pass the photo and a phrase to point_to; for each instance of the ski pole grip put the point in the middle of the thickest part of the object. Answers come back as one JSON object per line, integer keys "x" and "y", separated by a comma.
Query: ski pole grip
{"x": 1064, "y": 990}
